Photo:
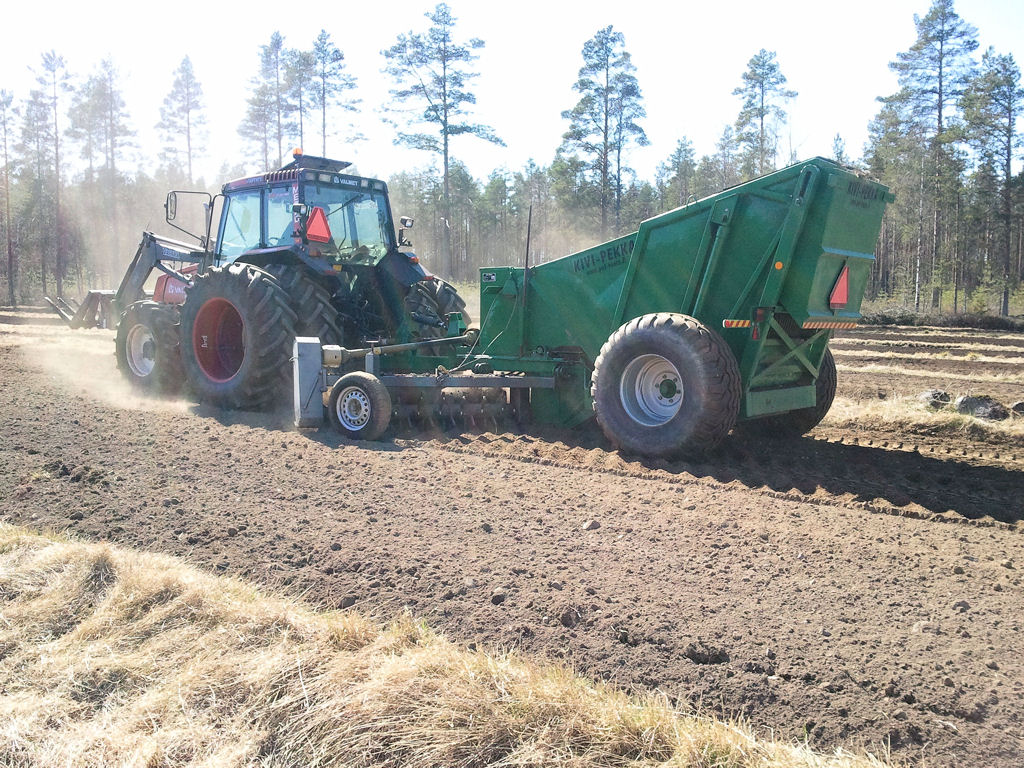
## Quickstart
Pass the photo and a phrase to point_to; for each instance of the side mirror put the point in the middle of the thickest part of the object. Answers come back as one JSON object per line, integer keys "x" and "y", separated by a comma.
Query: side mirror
{"x": 193, "y": 223}
{"x": 406, "y": 222}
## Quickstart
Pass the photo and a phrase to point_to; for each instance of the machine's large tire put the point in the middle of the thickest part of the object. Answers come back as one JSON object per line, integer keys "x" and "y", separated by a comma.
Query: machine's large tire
{"x": 311, "y": 302}
{"x": 796, "y": 423}
{"x": 237, "y": 332}
{"x": 360, "y": 406}
{"x": 666, "y": 385}
{"x": 146, "y": 347}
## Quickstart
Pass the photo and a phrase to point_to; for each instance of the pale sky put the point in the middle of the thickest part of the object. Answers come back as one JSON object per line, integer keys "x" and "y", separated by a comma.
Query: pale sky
{"x": 689, "y": 57}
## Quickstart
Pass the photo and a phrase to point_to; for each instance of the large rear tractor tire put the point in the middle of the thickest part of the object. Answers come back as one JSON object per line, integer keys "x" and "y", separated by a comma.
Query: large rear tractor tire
{"x": 237, "y": 332}
{"x": 666, "y": 385}
{"x": 434, "y": 300}
{"x": 797, "y": 423}
{"x": 147, "y": 350}
{"x": 360, "y": 406}
{"x": 311, "y": 302}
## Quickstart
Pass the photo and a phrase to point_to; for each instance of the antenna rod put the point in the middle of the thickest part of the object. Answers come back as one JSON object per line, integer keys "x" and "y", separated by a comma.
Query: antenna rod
{"x": 526, "y": 280}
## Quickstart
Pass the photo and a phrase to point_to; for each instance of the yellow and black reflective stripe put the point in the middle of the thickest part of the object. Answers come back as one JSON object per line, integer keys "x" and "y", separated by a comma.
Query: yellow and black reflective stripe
{"x": 827, "y": 324}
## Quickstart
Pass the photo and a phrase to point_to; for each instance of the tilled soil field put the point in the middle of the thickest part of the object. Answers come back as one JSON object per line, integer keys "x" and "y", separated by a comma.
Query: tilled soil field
{"x": 858, "y": 588}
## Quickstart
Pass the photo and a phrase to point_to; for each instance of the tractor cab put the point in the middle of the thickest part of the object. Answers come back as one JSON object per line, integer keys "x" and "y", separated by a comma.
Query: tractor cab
{"x": 309, "y": 211}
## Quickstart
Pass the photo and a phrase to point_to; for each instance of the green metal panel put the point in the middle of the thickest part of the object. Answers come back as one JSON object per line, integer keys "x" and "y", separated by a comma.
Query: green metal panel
{"x": 778, "y": 400}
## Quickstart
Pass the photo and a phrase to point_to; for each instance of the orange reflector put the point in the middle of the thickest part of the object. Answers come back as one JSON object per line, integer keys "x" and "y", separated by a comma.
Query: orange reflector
{"x": 317, "y": 228}
{"x": 841, "y": 290}
{"x": 735, "y": 323}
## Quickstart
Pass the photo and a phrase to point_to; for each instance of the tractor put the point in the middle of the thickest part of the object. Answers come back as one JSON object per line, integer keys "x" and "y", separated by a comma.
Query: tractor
{"x": 304, "y": 250}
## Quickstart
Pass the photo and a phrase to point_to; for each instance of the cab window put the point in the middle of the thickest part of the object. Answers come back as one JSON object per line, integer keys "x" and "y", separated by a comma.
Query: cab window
{"x": 240, "y": 230}
{"x": 280, "y": 219}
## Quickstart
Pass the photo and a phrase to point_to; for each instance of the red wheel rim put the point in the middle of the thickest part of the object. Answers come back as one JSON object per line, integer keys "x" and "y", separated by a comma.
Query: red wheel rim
{"x": 218, "y": 339}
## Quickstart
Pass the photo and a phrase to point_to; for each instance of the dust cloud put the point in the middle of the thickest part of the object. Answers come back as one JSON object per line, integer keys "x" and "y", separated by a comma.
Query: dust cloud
{"x": 84, "y": 361}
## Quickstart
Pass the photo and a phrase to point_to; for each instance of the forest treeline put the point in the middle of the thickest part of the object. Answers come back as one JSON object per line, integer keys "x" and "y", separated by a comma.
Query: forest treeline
{"x": 946, "y": 144}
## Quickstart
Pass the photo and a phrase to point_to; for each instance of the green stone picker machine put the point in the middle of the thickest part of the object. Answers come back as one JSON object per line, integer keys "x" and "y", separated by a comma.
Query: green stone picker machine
{"x": 714, "y": 313}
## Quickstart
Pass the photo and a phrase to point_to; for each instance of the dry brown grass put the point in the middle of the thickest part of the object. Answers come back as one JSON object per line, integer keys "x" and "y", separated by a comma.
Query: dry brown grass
{"x": 911, "y": 416}
{"x": 841, "y": 342}
{"x": 925, "y": 331}
{"x": 944, "y": 356}
{"x": 109, "y": 657}
{"x": 896, "y": 370}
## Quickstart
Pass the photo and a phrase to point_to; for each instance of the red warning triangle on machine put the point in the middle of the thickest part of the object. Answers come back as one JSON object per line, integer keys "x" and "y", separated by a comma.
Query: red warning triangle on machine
{"x": 317, "y": 228}
{"x": 841, "y": 290}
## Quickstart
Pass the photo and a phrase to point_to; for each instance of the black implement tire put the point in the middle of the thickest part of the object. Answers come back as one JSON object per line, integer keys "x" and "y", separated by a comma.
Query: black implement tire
{"x": 146, "y": 347}
{"x": 665, "y": 385}
{"x": 311, "y": 302}
{"x": 360, "y": 406}
{"x": 237, "y": 333}
{"x": 797, "y": 423}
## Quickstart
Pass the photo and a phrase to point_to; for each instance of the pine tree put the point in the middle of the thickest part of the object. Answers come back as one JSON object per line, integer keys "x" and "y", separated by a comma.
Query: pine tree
{"x": 331, "y": 81}
{"x": 299, "y": 85}
{"x": 181, "y": 116}
{"x": 272, "y": 83}
{"x": 54, "y": 77}
{"x": 932, "y": 75}
{"x": 839, "y": 150}
{"x": 98, "y": 123}
{"x": 756, "y": 125}
{"x": 7, "y": 112}
{"x": 675, "y": 177}
{"x": 605, "y": 119}
{"x": 35, "y": 212}
{"x": 431, "y": 71}
{"x": 116, "y": 131}
{"x": 992, "y": 105}
{"x": 720, "y": 170}
{"x": 85, "y": 126}
{"x": 258, "y": 124}
{"x": 895, "y": 155}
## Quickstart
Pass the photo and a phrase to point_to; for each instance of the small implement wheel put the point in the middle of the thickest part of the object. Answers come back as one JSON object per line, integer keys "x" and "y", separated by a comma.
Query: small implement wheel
{"x": 664, "y": 385}
{"x": 147, "y": 349}
{"x": 360, "y": 406}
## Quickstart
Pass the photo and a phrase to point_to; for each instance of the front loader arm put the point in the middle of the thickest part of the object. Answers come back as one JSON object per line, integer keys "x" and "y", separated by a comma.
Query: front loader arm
{"x": 153, "y": 250}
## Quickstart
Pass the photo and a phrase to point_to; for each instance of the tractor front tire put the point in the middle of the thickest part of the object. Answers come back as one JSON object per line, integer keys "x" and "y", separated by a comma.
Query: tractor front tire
{"x": 147, "y": 350}
{"x": 797, "y": 423}
{"x": 360, "y": 406}
{"x": 666, "y": 385}
{"x": 237, "y": 333}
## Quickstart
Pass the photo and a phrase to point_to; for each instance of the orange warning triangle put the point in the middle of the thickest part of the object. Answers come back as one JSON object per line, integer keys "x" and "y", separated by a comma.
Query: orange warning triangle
{"x": 317, "y": 228}
{"x": 841, "y": 291}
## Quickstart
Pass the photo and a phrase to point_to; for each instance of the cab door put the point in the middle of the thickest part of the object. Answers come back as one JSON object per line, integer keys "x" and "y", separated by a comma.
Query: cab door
{"x": 240, "y": 225}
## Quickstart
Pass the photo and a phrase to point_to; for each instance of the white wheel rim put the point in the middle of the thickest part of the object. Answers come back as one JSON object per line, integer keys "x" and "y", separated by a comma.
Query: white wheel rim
{"x": 140, "y": 350}
{"x": 353, "y": 409}
{"x": 651, "y": 390}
